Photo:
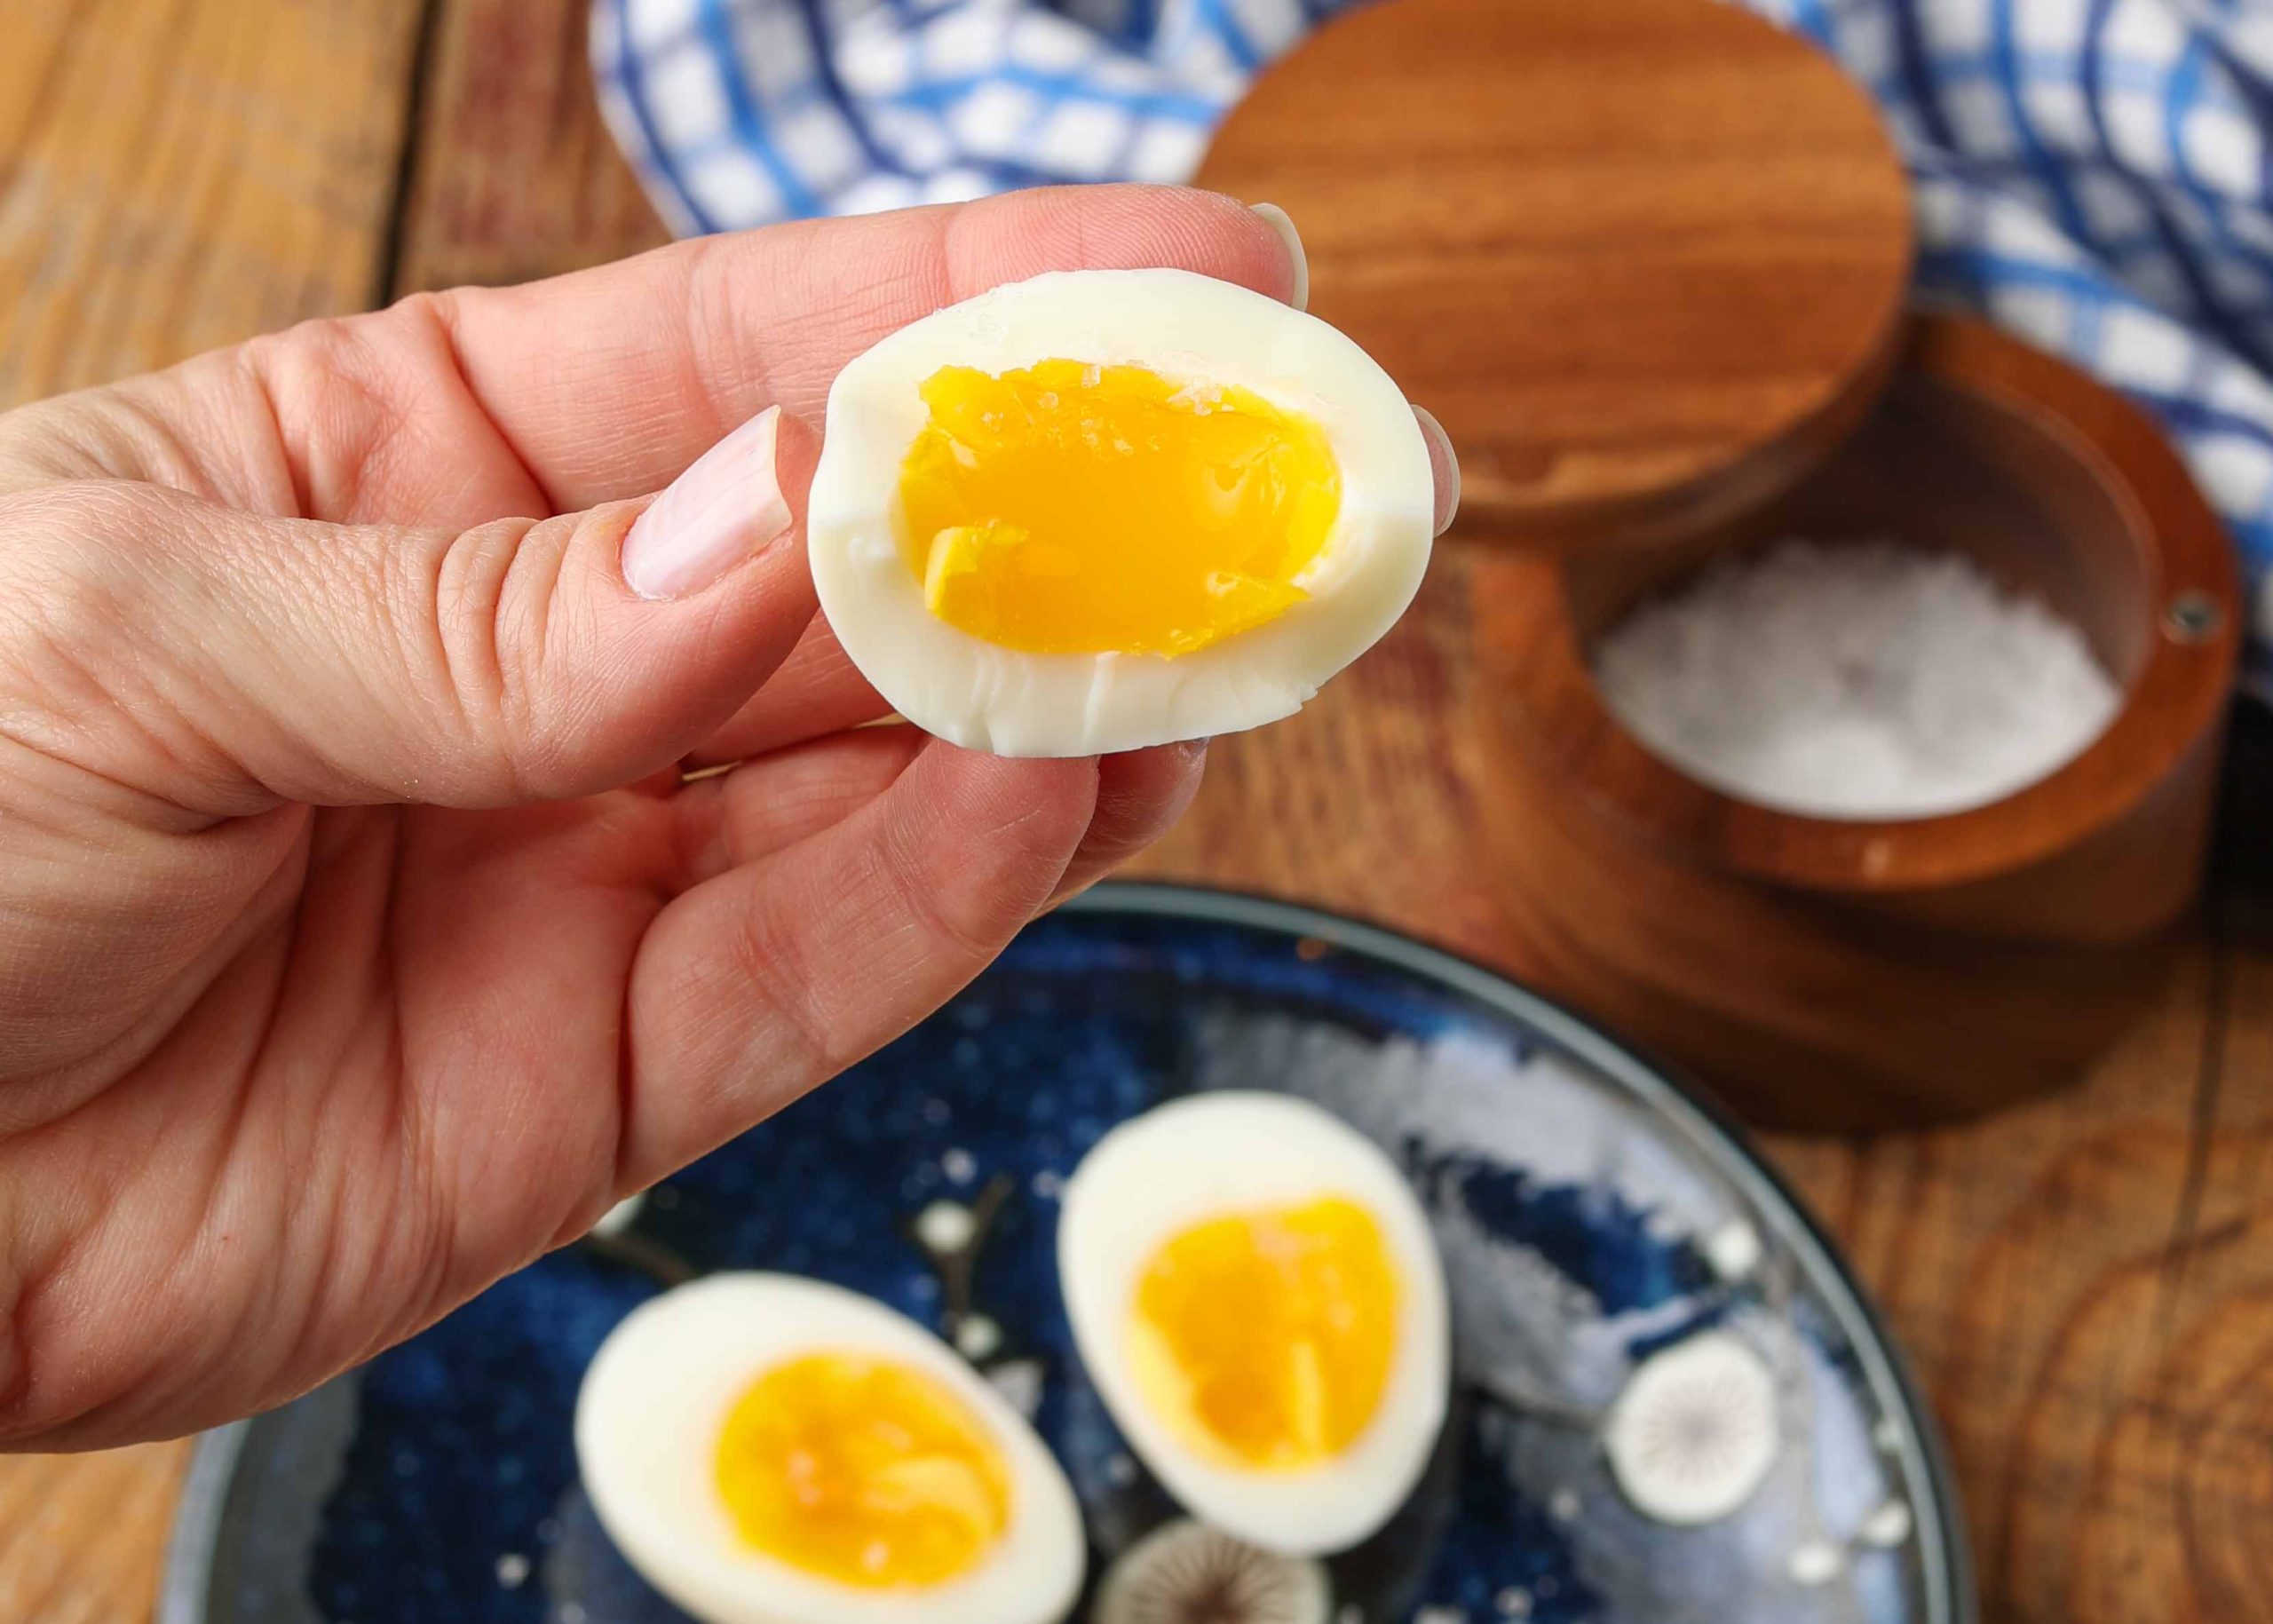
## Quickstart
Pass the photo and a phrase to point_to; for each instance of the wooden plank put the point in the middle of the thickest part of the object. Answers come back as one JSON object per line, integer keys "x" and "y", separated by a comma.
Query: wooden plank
{"x": 175, "y": 174}
{"x": 516, "y": 175}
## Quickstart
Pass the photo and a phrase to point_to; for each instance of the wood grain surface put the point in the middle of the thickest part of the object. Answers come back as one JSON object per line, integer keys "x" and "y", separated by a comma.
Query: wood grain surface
{"x": 2085, "y": 1284}
{"x": 1643, "y": 257}
{"x": 177, "y": 173}
{"x": 513, "y": 176}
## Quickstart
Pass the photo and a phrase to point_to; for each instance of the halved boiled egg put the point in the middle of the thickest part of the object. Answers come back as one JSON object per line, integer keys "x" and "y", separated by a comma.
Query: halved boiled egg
{"x": 1256, "y": 1295}
{"x": 771, "y": 1450}
{"x": 1101, "y": 510}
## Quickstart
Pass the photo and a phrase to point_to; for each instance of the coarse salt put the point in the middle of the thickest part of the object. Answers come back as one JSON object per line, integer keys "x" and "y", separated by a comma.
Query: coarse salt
{"x": 1855, "y": 679}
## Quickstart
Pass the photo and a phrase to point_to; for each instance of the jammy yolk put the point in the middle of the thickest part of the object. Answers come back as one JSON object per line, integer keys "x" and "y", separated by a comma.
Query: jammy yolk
{"x": 862, "y": 1470}
{"x": 1263, "y": 1337}
{"x": 1064, "y": 507}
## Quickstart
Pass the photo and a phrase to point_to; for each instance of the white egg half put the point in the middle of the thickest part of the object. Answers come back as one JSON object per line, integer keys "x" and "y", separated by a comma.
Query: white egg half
{"x": 654, "y": 1410}
{"x": 1056, "y": 689}
{"x": 1219, "y": 1196}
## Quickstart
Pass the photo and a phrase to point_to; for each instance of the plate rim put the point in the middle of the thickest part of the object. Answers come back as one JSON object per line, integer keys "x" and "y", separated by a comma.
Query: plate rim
{"x": 1945, "y": 1554}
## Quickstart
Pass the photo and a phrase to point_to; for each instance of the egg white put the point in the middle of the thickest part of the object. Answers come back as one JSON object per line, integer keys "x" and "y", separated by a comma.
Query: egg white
{"x": 1181, "y": 326}
{"x": 647, "y": 1425}
{"x": 1200, "y": 1158}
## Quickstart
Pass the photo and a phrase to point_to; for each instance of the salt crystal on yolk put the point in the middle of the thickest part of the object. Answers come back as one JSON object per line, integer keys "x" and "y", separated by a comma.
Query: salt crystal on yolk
{"x": 1070, "y": 508}
{"x": 862, "y": 1470}
{"x": 1264, "y": 1337}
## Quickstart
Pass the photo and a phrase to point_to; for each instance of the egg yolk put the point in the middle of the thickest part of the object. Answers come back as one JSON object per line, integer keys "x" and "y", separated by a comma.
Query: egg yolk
{"x": 862, "y": 1470}
{"x": 1064, "y": 507}
{"x": 1263, "y": 1337}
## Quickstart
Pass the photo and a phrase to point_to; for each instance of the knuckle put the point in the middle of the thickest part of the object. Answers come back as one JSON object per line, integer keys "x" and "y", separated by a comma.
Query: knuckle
{"x": 436, "y": 595}
{"x": 769, "y": 961}
{"x": 16, "y": 1418}
{"x": 95, "y": 579}
{"x": 43, "y": 1388}
{"x": 74, "y": 556}
{"x": 900, "y": 873}
{"x": 86, "y": 509}
{"x": 470, "y": 612}
{"x": 337, "y": 385}
{"x": 481, "y": 608}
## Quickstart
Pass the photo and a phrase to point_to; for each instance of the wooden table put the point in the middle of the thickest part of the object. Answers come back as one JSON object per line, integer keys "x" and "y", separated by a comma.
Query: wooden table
{"x": 2085, "y": 1284}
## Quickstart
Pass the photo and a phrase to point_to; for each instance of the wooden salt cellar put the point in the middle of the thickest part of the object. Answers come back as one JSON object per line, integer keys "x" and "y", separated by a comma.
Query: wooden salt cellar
{"x": 1847, "y": 973}
{"x": 1645, "y": 259}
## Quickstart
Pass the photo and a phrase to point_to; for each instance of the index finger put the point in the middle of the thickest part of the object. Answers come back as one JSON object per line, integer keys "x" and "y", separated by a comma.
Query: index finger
{"x": 608, "y": 382}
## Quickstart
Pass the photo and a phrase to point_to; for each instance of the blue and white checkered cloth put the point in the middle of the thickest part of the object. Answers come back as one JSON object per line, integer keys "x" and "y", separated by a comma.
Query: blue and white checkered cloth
{"x": 2095, "y": 175}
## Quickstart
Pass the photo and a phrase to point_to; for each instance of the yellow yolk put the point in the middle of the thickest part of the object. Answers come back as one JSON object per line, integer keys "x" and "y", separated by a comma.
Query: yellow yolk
{"x": 1073, "y": 509}
{"x": 1264, "y": 1337}
{"x": 862, "y": 1470}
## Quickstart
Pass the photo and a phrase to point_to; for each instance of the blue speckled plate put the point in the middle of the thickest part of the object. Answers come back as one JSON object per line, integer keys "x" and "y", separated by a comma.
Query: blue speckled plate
{"x": 1591, "y": 1214}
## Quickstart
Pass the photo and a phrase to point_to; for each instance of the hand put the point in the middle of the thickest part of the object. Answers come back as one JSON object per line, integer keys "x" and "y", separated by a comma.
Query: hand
{"x": 358, "y": 940}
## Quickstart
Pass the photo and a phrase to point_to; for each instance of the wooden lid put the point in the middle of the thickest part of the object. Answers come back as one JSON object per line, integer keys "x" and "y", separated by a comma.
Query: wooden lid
{"x": 1644, "y": 259}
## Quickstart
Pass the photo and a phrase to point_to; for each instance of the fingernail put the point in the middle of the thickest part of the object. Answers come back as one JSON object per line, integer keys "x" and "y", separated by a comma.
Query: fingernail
{"x": 1441, "y": 456}
{"x": 721, "y": 511}
{"x": 1281, "y": 222}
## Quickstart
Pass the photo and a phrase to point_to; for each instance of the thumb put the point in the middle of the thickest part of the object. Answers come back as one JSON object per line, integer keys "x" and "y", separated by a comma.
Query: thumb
{"x": 223, "y": 661}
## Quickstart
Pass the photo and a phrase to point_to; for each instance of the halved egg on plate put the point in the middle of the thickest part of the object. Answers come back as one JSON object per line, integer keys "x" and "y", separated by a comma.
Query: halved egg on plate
{"x": 771, "y": 1450}
{"x": 1255, "y": 1293}
{"x": 1101, "y": 510}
